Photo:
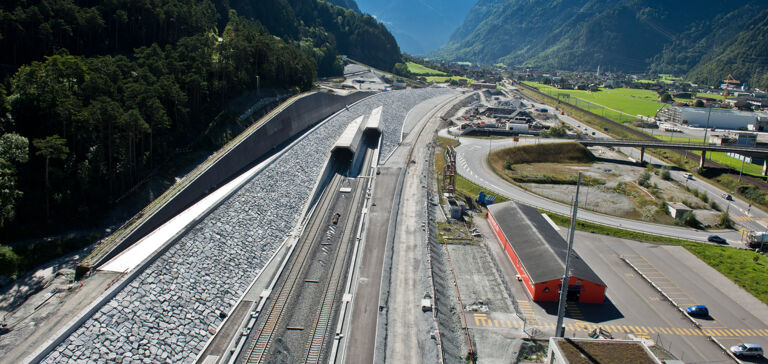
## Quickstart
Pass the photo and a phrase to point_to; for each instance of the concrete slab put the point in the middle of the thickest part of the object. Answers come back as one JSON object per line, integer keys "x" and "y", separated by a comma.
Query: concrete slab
{"x": 362, "y": 337}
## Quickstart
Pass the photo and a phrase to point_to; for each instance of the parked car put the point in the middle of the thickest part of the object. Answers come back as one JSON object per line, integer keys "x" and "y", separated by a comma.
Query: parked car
{"x": 716, "y": 239}
{"x": 688, "y": 176}
{"x": 698, "y": 310}
{"x": 727, "y": 197}
{"x": 747, "y": 350}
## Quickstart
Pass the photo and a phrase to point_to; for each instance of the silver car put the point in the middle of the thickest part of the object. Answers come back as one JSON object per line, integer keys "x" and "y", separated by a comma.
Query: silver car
{"x": 747, "y": 350}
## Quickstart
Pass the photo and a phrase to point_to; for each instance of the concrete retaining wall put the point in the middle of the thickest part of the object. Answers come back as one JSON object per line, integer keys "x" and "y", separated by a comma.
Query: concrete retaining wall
{"x": 297, "y": 117}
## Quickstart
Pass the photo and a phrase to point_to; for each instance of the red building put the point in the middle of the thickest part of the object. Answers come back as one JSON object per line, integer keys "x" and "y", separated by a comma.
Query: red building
{"x": 538, "y": 252}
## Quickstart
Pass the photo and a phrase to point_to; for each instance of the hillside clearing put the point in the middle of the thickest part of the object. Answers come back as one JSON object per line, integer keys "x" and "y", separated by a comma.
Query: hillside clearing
{"x": 421, "y": 70}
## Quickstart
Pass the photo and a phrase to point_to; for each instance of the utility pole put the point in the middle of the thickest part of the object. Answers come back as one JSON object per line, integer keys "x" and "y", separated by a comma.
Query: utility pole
{"x": 566, "y": 277}
{"x": 706, "y": 127}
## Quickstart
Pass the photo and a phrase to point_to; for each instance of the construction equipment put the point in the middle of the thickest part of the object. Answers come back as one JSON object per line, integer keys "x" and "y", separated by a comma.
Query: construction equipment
{"x": 728, "y": 82}
{"x": 757, "y": 240}
{"x": 449, "y": 171}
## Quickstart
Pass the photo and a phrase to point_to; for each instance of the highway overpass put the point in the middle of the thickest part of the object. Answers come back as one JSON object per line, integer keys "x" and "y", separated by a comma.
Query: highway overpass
{"x": 754, "y": 152}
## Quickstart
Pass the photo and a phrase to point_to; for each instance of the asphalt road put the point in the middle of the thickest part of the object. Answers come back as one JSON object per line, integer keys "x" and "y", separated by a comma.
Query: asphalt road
{"x": 471, "y": 156}
{"x": 635, "y": 305}
{"x": 749, "y": 217}
{"x": 735, "y": 316}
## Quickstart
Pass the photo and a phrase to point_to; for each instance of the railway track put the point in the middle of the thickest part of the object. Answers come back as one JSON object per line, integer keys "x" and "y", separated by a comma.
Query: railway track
{"x": 273, "y": 320}
{"x": 328, "y": 304}
{"x": 268, "y": 325}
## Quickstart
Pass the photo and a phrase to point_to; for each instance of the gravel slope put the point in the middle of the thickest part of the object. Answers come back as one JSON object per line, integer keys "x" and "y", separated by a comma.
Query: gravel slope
{"x": 168, "y": 313}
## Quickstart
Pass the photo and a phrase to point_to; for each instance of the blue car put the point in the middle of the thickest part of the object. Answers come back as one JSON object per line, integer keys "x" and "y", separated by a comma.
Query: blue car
{"x": 698, "y": 310}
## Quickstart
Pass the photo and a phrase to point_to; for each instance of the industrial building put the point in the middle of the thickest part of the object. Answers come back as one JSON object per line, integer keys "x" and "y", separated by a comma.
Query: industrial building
{"x": 538, "y": 252}
{"x": 677, "y": 209}
{"x": 719, "y": 118}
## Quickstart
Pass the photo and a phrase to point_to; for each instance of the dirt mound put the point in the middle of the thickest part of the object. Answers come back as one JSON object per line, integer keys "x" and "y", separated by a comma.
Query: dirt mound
{"x": 545, "y": 153}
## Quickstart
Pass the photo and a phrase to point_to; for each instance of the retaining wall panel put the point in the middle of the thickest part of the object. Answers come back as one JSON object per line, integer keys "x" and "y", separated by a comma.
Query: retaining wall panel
{"x": 297, "y": 117}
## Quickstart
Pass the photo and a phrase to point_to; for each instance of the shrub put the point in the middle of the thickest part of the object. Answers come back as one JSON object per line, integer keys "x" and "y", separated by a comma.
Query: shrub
{"x": 509, "y": 165}
{"x": 621, "y": 188}
{"x": 9, "y": 261}
{"x": 689, "y": 219}
{"x": 715, "y": 206}
{"x": 665, "y": 175}
{"x": 554, "y": 132}
{"x": 725, "y": 220}
{"x": 644, "y": 178}
{"x": 754, "y": 194}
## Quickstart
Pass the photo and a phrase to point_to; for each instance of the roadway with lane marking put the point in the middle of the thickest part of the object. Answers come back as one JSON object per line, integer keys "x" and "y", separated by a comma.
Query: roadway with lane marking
{"x": 487, "y": 321}
{"x": 760, "y": 223}
{"x": 470, "y": 163}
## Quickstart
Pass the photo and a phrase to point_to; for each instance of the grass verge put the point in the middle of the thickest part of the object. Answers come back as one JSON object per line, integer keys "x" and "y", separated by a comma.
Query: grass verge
{"x": 465, "y": 187}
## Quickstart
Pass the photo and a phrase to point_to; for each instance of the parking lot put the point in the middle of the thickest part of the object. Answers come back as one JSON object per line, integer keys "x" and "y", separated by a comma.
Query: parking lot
{"x": 635, "y": 309}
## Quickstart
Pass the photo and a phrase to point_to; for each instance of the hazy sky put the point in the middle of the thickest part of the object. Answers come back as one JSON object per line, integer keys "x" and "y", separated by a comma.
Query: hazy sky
{"x": 419, "y": 26}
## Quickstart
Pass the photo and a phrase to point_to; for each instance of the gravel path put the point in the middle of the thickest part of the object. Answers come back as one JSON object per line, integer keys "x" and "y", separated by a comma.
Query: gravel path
{"x": 168, "y": 313}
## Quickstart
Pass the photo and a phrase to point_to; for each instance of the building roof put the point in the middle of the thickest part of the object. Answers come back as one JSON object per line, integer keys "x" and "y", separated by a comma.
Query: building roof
{"x": 678, "y": 205}
{"x": 591, "y": 351}
{"x": 539, "y": 246}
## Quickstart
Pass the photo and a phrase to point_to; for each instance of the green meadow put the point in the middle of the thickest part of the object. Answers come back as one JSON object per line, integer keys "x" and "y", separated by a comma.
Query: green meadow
{"x": 418, "y": 69}
{"x": 447, "y": 79}
{"x": 628, "y": 100}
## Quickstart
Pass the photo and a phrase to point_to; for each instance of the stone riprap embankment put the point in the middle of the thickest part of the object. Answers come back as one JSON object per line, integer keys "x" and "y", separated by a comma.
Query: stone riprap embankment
{"x": 170, "y": 311}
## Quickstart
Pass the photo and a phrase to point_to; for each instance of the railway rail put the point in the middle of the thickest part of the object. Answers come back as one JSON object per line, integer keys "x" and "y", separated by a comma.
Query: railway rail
{"x": 273, "y": 319}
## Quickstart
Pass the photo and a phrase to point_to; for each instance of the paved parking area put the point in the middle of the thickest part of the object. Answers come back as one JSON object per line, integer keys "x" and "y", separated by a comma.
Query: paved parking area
{"x": 633, "y": 308}
{"x": 735, "y": 316}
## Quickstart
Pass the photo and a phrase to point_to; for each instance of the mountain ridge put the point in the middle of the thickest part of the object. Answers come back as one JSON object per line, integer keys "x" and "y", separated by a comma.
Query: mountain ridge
{"x": 625, "y": 35}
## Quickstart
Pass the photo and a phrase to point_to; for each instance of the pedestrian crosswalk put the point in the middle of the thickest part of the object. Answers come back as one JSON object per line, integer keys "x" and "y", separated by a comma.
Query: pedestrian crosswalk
{"x": 749, "y": 218}
{"x": 572, "y": 311}
{"x": 488, "y": 321}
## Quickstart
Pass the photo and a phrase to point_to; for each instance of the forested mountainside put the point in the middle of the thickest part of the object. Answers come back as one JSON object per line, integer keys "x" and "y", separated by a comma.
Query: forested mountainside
{"x": 96, "y": 95}
{"x": 625, "y": 35}
{"x": 745, "y": 56}
{"x": 347, "y": 4}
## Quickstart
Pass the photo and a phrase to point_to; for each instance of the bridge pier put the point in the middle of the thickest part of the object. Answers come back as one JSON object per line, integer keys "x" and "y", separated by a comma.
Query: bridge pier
{"x": 765, "y": 166}
{"x": 703, "y": 157}
{"x": 642, "y": 155}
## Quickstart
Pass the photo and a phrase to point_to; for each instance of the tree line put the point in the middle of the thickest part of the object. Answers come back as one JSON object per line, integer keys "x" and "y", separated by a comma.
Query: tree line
{"x": 96, "y": 96}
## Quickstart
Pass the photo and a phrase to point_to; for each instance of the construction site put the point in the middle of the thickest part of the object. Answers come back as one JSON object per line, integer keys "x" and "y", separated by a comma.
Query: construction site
{"x": 392, "y": 241}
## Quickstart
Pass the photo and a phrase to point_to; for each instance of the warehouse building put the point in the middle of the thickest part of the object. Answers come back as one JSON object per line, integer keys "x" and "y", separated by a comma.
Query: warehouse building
{"x": 538, "y": 252}
{"x": 718, "y": 118}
